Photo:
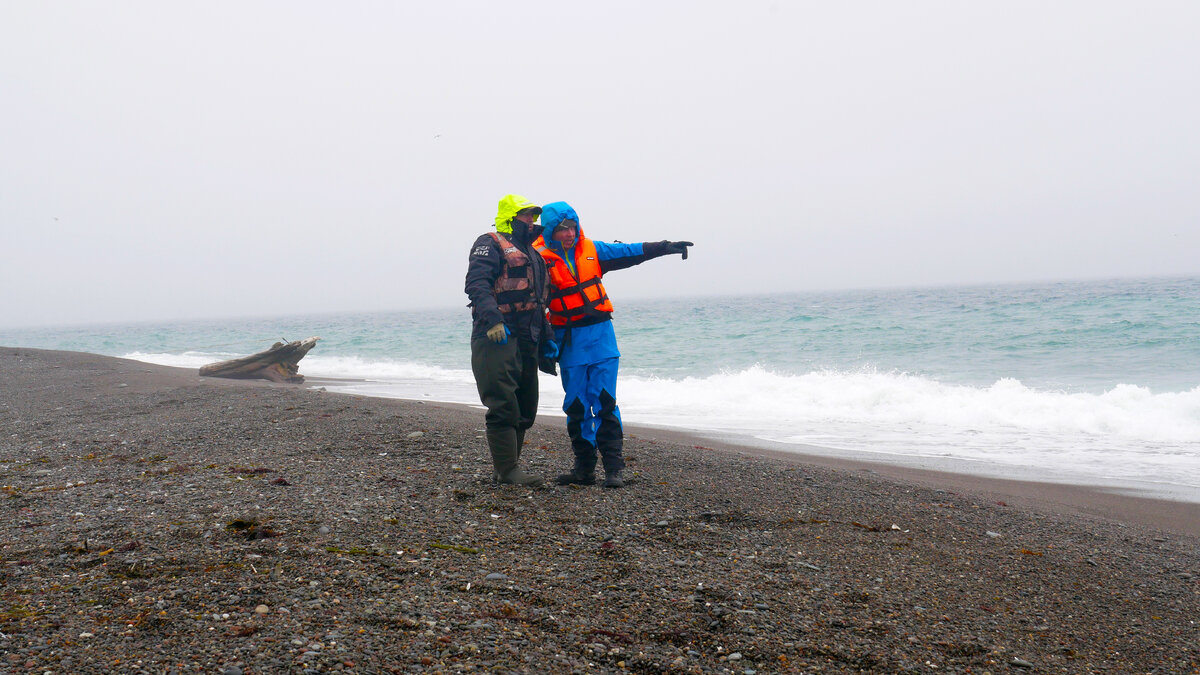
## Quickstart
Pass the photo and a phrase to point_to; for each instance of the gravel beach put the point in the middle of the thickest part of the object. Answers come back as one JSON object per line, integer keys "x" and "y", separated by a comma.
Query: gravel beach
{"x": 155, "y": 521}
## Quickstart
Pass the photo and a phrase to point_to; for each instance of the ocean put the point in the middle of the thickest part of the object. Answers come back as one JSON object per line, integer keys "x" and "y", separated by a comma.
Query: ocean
{"x": 1093, "y": 383}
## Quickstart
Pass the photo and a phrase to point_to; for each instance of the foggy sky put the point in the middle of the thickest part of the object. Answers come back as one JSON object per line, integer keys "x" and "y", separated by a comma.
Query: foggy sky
{"x": 174, "y": 160}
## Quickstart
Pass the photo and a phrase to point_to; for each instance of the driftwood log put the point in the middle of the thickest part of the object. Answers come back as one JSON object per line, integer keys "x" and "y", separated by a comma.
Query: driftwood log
{"x": 278, "y": 364}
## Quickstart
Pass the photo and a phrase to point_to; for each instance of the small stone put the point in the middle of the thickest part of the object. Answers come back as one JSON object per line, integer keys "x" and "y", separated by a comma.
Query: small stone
{"x": 993, "y": 535}
{"x": 736, "y": 656}
{"x": 324, "y": 529}
{"x": 497, "y": 576}
{"x": 262, "y": 609}
{"x": 1020, "y": 663}
{"x": 232, "y": 670}
{"x": 662, "y": 523}
{"x": 416, "y": 434}
{"x": 84, "y": 636}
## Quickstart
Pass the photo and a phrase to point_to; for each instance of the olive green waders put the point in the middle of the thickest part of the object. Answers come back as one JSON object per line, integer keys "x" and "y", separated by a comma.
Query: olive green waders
{"x": 506, "y": 376}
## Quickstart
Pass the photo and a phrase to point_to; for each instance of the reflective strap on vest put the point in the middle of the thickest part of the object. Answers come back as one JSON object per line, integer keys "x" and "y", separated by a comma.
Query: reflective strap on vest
{"x": 577, "y": 288}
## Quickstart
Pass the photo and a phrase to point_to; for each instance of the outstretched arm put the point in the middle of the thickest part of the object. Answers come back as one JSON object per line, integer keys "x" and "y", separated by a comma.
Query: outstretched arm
{"x": 618, "y": 256}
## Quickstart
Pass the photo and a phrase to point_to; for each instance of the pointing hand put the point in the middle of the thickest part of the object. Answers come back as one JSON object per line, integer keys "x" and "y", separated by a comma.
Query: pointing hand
{"x": 679, "y": 247}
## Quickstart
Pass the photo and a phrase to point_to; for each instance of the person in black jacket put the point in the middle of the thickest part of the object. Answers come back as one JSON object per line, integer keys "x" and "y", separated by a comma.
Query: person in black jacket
{"x": 507, "y": 284}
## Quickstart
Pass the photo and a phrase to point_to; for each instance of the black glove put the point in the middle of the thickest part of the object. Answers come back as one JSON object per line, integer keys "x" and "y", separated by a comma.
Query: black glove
{"x": 548, "y": 366}
{"x": 678, "y": 247}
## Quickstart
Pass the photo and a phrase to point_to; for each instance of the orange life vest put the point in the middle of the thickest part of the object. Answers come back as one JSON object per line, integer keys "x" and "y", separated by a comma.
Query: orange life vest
{"x": 515, "y": 288}
{"x": 577, "y": 299}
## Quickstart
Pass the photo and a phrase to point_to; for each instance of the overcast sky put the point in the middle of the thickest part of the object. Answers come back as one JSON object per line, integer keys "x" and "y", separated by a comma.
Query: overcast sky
{"x": 209, "y": 159}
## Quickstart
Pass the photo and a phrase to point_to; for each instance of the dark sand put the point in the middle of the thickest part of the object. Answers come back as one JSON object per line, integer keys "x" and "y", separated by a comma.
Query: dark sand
{"x": 155, "y": 521}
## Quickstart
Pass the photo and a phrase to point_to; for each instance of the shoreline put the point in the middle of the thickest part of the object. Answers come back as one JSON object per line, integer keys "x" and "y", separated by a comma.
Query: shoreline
{"x": 1180, "y": 517}
{"x": 1105, "y": 502}
{"x": 158, "y": 521}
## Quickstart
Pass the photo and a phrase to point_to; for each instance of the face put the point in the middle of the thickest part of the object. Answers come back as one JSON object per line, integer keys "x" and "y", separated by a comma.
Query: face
{"x": 527, "y": 217}
{"x": 565, "y": 236}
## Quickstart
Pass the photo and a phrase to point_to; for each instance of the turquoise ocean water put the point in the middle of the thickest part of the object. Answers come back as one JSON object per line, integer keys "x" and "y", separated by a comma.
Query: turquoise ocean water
{"x": 1078, "y": 382}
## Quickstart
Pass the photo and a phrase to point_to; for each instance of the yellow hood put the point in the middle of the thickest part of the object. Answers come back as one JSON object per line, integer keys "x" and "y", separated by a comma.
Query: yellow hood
{"x": 509, "y": 206}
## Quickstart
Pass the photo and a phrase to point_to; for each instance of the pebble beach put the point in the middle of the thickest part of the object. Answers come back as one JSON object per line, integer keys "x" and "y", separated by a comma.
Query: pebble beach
{"x": 153, "y": 521}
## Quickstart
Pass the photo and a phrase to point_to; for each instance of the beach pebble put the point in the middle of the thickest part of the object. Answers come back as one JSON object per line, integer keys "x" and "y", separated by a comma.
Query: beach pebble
{"x": 324, "y": 529}
{"x": 1020, "y": 663}
{"x": 497, "y": 576}
{"x": 993, "y": 535}
{"x": 416, "y": 434}
{"x": 232, "y": 670}
{"x": 262, "y": 609}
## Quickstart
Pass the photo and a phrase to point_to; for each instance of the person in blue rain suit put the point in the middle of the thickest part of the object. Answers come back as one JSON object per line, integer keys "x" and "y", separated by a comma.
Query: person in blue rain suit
{"x": 581, "y": 314}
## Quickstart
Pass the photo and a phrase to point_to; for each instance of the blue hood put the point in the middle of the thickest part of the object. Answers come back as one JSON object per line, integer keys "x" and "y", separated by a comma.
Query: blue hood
{"x": 552, "y": 215}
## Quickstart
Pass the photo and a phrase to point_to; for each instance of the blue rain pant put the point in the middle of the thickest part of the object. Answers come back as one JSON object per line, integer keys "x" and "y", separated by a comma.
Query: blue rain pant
{"x": 593, "y": 419}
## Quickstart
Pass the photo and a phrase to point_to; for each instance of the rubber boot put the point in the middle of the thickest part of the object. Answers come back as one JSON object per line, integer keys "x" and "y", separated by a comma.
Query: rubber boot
{"x": 520, "y": 446}
{"x": 614, "y": 464}
{"x": 577, "y": 476}
{"x": 614, "y": 478}
{"x": 503, "y": 446}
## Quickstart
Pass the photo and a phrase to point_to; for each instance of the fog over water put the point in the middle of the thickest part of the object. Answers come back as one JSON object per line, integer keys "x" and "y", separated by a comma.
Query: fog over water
{"x": 177, "y": 160}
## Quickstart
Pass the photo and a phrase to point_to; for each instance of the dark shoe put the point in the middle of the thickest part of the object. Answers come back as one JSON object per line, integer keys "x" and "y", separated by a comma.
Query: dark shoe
{"x": 613, "y": 479}
{"x": 574, "y": 478}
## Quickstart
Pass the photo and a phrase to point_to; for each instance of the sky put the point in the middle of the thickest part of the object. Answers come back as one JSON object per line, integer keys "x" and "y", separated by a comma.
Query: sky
{"x": 163, "y": 161}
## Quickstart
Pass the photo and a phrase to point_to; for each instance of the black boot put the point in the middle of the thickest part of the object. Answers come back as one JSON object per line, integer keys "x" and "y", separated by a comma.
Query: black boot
{"x": 576, "y": 477}
{"x": 614, "y": 479}
{"x": 503, "y": 445}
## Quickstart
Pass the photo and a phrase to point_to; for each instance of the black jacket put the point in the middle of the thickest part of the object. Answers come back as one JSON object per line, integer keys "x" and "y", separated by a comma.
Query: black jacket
{"x": 484, "y": 267}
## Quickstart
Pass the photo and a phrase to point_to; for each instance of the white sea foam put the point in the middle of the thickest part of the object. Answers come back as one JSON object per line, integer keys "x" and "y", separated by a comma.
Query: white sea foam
{"x": 784, "y": 404}
{"x": 1127, "y": 436}
{"x": 184, "y": 360}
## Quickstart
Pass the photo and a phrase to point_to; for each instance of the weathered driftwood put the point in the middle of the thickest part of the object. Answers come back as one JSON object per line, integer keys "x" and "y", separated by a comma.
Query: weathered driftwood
{"x": 278, "y": 364}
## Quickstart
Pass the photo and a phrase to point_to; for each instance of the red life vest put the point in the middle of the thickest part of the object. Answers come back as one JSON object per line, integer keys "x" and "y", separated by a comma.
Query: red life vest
{"x": 515, "y": 288}
{"x": 577, "y": 299}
